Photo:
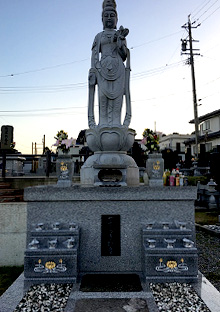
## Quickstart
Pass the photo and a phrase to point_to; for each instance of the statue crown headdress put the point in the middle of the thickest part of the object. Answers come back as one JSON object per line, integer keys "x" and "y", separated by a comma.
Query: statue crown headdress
{"x": 109, "y": 3}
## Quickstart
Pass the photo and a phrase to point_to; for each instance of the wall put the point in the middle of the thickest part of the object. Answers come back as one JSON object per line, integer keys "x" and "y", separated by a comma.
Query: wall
{"x": 13, "y": 228}
{"x": 215, "y": 124}
{"x": 170, "y": 141}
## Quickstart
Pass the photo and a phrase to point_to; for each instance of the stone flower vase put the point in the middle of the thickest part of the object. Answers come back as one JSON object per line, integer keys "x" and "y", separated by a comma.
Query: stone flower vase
{"x": 155, "y": 169}
{"x": 64, "y": 169}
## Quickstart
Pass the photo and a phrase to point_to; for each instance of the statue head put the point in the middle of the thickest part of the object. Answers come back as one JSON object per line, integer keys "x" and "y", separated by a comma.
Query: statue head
{"x": 109, "y": 14}
{"x": 110, "y": 3}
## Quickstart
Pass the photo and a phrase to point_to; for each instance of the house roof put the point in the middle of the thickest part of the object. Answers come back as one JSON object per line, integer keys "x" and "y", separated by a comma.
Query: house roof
{"x": 207, "y": 116}
{"x": 203, "y": 138}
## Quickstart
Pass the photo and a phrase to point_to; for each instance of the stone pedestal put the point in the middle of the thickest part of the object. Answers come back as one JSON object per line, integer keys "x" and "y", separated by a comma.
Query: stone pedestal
{"x": 110, "y": 165}
{"x": 110, "y": 169}
{"x": 111, "y": 222}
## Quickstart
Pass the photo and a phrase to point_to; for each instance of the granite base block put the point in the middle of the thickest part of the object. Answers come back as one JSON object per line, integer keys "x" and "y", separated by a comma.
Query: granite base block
{"x": 156, "y": 182}
{"x": 169, "y": 251}
{"x": 47, "y": 266}
{"x": 88, "y": 207}
{"x": 64, "y": 183}
{"x": 52, "y": 252}
{"x": 171, "y": 264}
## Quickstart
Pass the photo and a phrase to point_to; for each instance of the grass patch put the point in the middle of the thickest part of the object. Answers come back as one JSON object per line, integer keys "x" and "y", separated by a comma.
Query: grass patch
{"x": 204, "y": 217}
{"x": 212, "y": 276}
{"x": 8, "y": 275}
{"x": 194, "y": 180}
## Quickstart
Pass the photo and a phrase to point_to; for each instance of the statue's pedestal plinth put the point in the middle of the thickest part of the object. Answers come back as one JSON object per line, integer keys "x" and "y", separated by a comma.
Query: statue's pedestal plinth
{"x": 110, "y": 165}
{"x": 110, "y": 169}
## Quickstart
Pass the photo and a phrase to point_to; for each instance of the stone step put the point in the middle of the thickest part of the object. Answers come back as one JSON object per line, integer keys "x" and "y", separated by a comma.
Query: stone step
{"x": 11, "y": 191}
{"x": 4, "y": 185}
{"x": 11, "y": 198}
{"x": 8, "y": 194}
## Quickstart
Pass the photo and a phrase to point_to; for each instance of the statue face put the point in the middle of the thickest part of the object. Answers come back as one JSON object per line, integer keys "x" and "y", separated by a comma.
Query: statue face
{"x": 109, "y": 19}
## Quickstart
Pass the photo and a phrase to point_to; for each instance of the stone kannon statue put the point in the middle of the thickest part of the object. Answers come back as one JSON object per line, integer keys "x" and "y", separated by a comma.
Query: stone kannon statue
{"x": 109, "y": 52}
{"x": 110, "y": 139}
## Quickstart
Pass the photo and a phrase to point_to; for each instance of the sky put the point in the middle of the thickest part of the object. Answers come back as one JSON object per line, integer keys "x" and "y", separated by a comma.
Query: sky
{"x": 45, "y": 50}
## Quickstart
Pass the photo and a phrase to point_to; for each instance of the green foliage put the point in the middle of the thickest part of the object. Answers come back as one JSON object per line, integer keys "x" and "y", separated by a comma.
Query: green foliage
{"x": 203, "y": 217}
{"x": 194, "y": 180}
{"x": 8, "y": 275}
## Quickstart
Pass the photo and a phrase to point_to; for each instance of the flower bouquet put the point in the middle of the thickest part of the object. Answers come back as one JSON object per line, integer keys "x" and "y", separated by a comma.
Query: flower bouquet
{"x": 62, "y": 141}
{"x": 150, "y": 140}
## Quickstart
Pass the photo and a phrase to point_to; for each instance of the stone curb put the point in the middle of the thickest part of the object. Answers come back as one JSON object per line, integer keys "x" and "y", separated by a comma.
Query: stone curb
{"x": 207, "y": 230}
{"x": 10, "y": 299}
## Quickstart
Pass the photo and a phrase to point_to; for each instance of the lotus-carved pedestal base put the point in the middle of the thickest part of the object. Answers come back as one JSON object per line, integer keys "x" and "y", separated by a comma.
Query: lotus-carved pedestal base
{"x": 110, "y": 169}
{"x": 110, "y": 139}
{"x": 110, "y": 165}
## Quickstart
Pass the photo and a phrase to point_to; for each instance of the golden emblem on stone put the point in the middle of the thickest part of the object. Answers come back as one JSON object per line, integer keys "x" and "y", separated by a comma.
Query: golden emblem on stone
{"x": 50, "y": 265}
{"x": 63, "y": 166}
{"x": 171, "y": 264}
{"x": 156, "y": 165}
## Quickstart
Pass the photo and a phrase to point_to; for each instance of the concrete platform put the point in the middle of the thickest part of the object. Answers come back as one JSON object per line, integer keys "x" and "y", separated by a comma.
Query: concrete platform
{"x": 11, "y": 298}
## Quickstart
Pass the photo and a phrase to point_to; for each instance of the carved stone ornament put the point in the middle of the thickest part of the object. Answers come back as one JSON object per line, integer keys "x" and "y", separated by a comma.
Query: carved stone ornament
{"x": 50, "y": 267}
{"x": 172, "y": 266}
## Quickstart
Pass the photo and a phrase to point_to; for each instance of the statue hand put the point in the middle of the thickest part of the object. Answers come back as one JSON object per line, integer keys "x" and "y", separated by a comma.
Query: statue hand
{"x": 92, "y": 78}
{"x": 123, "y": 32}
{"x": 92, "y": 123}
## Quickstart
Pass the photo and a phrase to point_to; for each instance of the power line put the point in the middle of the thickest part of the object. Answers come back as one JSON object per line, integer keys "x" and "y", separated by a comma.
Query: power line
{"x": 208, "y": 9}
{"x": 210, "y": 14}
{"x": 43, "y": 89}
{"x": 203, "y": 6}
{"x": 155, "y": 71}
{"x": 151, "y": 41}
{"x": 78, "y": 61}
{"x": 44, "y": 68}
{"x": 48, "y": 87}
{"x": 40, "y": 110}
{"x": 71, "y": 87}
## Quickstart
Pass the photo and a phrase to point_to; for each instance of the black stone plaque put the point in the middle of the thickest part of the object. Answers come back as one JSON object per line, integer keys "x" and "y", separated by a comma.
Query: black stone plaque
{"x": 111, "y": 235}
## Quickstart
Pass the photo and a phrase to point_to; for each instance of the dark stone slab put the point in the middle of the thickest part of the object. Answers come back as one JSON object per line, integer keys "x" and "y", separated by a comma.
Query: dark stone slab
{"x": 110, "y": 283}
{"x": 107, "y": 305}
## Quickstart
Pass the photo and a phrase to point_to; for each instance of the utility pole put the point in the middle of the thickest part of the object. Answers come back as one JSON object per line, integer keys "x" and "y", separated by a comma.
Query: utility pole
{"x": 188, "y": 26}
{"x": 43, "y": 141}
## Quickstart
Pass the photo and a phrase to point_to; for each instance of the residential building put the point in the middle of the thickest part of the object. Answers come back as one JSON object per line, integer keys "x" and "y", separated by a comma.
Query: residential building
{"x": 174, "y": 141}
{"x": 209, "y": 131}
